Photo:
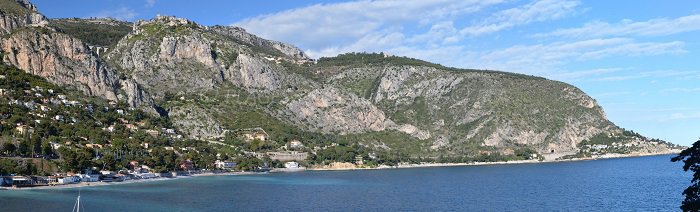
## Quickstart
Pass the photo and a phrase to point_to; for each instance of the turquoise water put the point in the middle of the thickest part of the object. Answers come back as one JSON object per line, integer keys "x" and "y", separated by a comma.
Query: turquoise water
{"x": 628, "y": 184}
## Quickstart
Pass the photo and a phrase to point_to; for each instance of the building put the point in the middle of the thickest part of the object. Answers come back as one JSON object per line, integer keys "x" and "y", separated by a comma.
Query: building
{"x": 89, "y": 177}
{"x": 359, "y": 160}
{"x": 287, "y": 156}
{"x": 291, "y": 165}
{"x": 228, "y": 165}
{"x": 295, "y": 144}
{"x": 22, "y": 129}
{"x": 55, "y": 145}
{"x": 256, "y": 134}
{"x": 131, "y": 127}
{"x": 187, "y": 165}
{"x": 68, "y": 179}
{"x": 94, "y": 146}
{"x": 153, "y": 133}
{"x": 599, "y": 147}
{"x": 22, "y": 181}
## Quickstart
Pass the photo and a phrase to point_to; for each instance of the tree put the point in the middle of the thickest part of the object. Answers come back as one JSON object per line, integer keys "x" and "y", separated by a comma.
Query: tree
{"x": 36, "y": 145}
{"x": 9, "y": 148}
{"x": 108, "y": 162}
{"x": 691, "y": 161}
{"x": 24, "y": 148}
{"x": 46, "y": 149}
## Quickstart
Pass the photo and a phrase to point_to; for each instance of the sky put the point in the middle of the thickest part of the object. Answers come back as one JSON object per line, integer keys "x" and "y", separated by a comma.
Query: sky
{"x": 639, "y": 59}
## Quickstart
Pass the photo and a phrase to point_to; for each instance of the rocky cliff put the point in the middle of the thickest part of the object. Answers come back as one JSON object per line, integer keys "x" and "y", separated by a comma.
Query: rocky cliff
{"x": 62, "y": 59}
{"x": 214, "y": 80}
{"x": 16, "y": 14}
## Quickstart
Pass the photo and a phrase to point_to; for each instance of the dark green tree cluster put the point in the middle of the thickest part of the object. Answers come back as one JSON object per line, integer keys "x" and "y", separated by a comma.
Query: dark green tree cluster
{"x": 691, "y": 162}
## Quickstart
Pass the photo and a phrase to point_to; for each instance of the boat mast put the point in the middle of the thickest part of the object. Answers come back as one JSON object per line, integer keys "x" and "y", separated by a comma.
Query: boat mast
{"x": 76, "y": 207}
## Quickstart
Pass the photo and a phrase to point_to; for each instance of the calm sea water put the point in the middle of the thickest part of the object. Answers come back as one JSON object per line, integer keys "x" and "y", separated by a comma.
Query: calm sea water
{"x": 628, "y": 184}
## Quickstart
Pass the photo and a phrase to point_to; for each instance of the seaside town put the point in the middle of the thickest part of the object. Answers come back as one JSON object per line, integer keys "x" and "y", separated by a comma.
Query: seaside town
{"x": 52, "y": 137}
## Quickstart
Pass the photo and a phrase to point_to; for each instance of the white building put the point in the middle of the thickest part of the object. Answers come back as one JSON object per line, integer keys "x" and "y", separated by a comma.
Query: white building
{"x": 89, "y": 178}
{"x": 295, "y": 144}
{"x": 225, "y": 164}
{"x": 291, "y": 165}
{"x": 68, "y": 180}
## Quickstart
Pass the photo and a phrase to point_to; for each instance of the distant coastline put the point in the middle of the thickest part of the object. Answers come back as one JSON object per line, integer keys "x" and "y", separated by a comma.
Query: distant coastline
{"x": 428, "y": 165}
{"x": 401, "y": 166}
{"x": 93, "y": 184}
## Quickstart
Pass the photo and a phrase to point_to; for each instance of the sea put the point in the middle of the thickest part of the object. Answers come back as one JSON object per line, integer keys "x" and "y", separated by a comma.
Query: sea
{"x": 650, "y": 183}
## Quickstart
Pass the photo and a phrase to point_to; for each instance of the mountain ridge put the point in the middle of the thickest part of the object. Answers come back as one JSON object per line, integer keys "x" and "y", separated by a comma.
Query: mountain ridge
{"x": 206, "y": 79}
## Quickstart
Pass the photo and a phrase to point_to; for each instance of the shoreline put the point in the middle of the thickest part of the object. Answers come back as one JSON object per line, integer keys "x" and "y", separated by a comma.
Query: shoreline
{"x": 96, "y": 184}
{"x": 402, "y": 166}
{"x": 534, "y": 161}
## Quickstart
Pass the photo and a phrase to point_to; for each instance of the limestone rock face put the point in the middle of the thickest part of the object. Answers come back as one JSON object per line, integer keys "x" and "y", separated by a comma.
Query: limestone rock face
{"x": 20, "y": 15}
{"x": 60, "y": 59}
{"x": 330, "y": 110}
{"x": 252, "y": 72}
{"x": 243, "y": 36}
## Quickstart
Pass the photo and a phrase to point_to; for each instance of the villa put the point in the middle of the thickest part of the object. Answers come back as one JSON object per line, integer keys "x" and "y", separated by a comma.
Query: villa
{"x": 291, "y": 165}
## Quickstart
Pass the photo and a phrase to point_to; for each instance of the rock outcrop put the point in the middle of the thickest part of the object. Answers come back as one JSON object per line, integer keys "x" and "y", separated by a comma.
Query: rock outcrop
{"x": 240, "y": 34}
{"x": 22, "y": 14}
{"x": 330, "y": 110}
{"x": 61, "y": 59}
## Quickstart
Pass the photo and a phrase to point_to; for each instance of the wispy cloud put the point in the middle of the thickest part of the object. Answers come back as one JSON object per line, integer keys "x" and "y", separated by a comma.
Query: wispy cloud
{"x": 542, "y": 10}
{"x": 653, "y": 27}
{"x": 536, "y": 59}
{"x": 435, "y": 31}
{"x": 150, "y": 3}
{"x": 612, "y": 94}
{"x": 680, "y": 90}
{"x": 681, "y": 116}
{"x": 649, "y": 74}
{"x": 329, "y": 29}
{"x": 124, "y": 13}
{"x": 580, "y": 74}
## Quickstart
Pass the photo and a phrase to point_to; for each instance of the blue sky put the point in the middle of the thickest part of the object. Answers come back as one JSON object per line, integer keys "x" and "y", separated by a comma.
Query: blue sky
{"x": 639, "y": 59}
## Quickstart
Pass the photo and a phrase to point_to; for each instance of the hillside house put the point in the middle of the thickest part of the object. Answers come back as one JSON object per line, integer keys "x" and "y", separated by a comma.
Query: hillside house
{"x": 295, "y": 144}
{"x": 94, "y": 146}
{"x": 24, "y": 129}
{"x": 153, "y": 133}
{"x": 287, "y": 156}
{"x": 131, "y": 127}
{"x": 256, "y": 134}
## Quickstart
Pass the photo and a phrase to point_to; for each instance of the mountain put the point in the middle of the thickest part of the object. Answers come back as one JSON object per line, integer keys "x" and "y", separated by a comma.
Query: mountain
{"x": 216, "y": 81}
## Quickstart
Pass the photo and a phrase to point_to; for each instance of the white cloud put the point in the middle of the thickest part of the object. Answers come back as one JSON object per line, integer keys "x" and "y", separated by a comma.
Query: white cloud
{"x": 537, "y": 11}
{"x": 430, "y": 30}
{"x": 649, "y": 74}
{"x": 680, "y": 90}
{"x": 541, "y": 59}
{"x": 612, "y": 94}
{"x": 578, "y": 75}
{"x": 123, "y": 13}
{"x": 653, "y": 27}
{"x": 681, "y": 116}
{"x": 329, "y": 29}
{"x": 150, "y": 3}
